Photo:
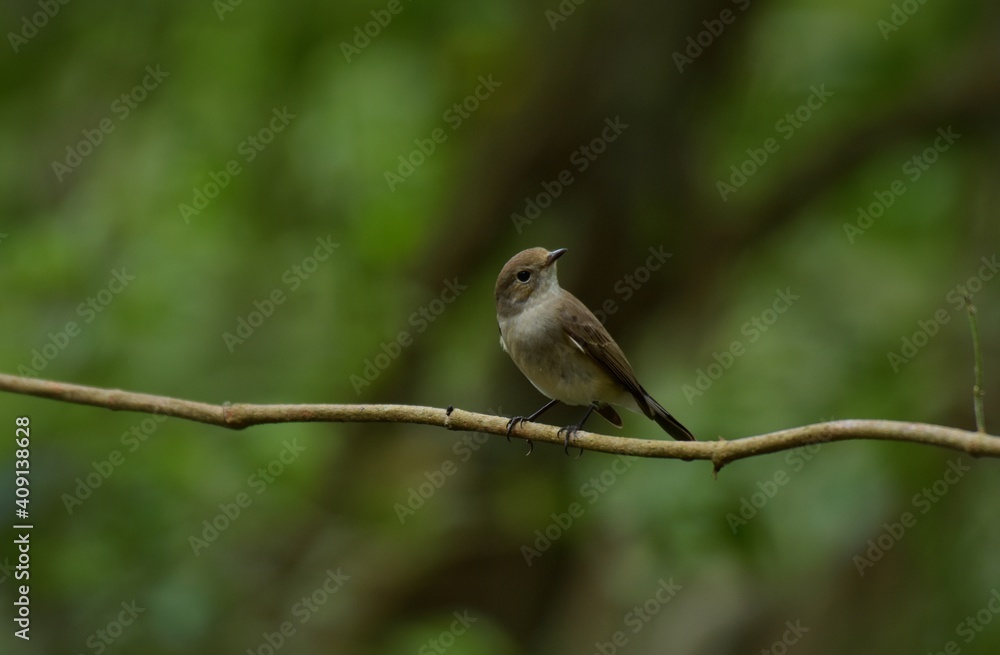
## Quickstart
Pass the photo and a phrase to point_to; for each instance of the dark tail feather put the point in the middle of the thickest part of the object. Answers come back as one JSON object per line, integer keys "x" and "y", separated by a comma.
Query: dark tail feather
{"x": 610, "y": 415}
{"x": 666, "y": 420}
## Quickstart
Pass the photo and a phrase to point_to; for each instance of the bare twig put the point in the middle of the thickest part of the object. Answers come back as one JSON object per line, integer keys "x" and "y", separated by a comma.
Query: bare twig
{"x": 977, "y": 353}
{"x": 720, "y": 452}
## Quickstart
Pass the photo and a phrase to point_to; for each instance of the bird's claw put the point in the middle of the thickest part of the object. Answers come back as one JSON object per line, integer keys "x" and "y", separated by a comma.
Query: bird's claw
{"x": 513, "y": 423}
{"x": 570, "y": 432}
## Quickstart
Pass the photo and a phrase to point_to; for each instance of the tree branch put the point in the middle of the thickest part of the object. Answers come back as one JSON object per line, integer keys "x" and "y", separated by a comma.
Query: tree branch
{"x": 720, "y": 452}
{"x": 977, "y": 366}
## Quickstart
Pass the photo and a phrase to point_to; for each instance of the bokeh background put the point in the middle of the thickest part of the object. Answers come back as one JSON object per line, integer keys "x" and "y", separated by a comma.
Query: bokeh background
{"x": 266, "y": 130}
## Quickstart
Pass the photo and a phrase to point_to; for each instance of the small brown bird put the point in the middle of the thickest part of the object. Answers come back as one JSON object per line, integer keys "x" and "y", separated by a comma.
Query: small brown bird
{"x": 563, "y": 349}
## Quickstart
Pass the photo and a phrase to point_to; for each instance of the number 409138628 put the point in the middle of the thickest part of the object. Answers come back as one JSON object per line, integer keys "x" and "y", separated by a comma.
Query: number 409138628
{"x": 22, "y": 437}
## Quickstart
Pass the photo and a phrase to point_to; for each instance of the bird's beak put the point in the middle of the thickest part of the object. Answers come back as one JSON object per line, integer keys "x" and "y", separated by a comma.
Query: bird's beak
{"x": 553, "y": 256}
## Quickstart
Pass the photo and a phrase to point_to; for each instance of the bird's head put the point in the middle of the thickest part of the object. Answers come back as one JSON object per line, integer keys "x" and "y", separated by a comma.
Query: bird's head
{"x": 528, "y": 276}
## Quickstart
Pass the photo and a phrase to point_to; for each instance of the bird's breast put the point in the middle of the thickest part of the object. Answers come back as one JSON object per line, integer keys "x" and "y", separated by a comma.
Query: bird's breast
{"x": 556, "y": 365}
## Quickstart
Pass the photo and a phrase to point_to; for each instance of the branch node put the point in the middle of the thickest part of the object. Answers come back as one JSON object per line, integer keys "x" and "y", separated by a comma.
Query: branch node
{"x": 226, "y": 417}
{"x": 717, "y": 464}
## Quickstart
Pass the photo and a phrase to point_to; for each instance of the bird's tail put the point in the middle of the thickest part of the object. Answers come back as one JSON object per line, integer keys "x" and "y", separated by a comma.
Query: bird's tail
{"x": 655, "y": 411}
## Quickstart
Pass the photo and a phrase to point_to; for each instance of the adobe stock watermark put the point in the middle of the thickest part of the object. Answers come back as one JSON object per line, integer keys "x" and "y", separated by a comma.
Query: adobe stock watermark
{"x": 101, "y": 639}
{"x": 223, "y": 7}
{"x": 447, "y": 638}
{"x": 31, "y": 24}
{"x": 434, "y": 480}
{"x": 420, "y": 320}
{"x": 258, "y": 482}
{"x": 363, "y": 34}
{"x": 753, "y": 329}
{"x": 87, "y": 311}
{"x": 249, "y": 148}
{"x": 6, "y": 570}
{"x": 122, "y": 107}
{"x": 786, "y": 126}
{"x": 591, "y": 491}
{"x": 454, "y": 116}
{"x": 795, "y": 461}
{"x": 293, "y": 278}
{"x": 898, "y": 17}
{"x": 580, "y": 160}
{"x": 562, "y": 12}
{"x": 912, "y": 169}
{"x": 103, "y": 469}
{"x": 696, "y": 44}
{"x": 626, "y": 286}
{"x": 927, "y": 329}
{"x": 921, "y": 502}
{"x": 794, "y": 631}
{"x": 639, "y": 616}
{"x": 972, "y": 625}
{"x": 302, "y": 610}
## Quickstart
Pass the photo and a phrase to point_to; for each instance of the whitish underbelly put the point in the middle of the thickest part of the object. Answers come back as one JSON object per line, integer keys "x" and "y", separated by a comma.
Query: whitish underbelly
{"x": 560, "y": 370}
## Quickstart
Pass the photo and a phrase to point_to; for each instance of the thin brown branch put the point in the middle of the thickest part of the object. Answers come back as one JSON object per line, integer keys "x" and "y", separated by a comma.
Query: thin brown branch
{"x": 719, "y": 452}
{"x": 977, "y": 366}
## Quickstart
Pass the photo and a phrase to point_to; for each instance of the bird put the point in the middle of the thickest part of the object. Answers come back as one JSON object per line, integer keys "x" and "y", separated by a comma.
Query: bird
{"x": 564, "y": 350}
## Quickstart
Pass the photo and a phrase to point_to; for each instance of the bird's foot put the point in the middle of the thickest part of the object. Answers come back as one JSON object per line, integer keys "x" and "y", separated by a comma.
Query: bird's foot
{"x": 570, "y": 432}
{"x": 513, "y": 423}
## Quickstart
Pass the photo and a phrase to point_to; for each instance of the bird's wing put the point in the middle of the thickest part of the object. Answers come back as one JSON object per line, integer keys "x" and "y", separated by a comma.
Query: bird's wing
{"x": 589, "y": 335}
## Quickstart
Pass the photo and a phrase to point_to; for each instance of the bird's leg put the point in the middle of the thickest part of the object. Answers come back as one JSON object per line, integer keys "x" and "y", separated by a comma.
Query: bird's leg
{"x": 571, "y": 430}
{"x": 516, "y": 420}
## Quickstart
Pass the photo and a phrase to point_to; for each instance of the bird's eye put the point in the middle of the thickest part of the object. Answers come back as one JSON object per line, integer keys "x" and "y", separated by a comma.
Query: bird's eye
{"x": 524, "y": 276}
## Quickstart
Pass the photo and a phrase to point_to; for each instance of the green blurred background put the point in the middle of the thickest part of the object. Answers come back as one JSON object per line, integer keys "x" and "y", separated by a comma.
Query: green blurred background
{"x": 282, "y": 125}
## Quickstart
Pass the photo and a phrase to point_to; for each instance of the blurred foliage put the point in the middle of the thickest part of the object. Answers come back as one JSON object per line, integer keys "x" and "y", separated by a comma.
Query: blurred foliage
{"x": 325, "y": 500}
